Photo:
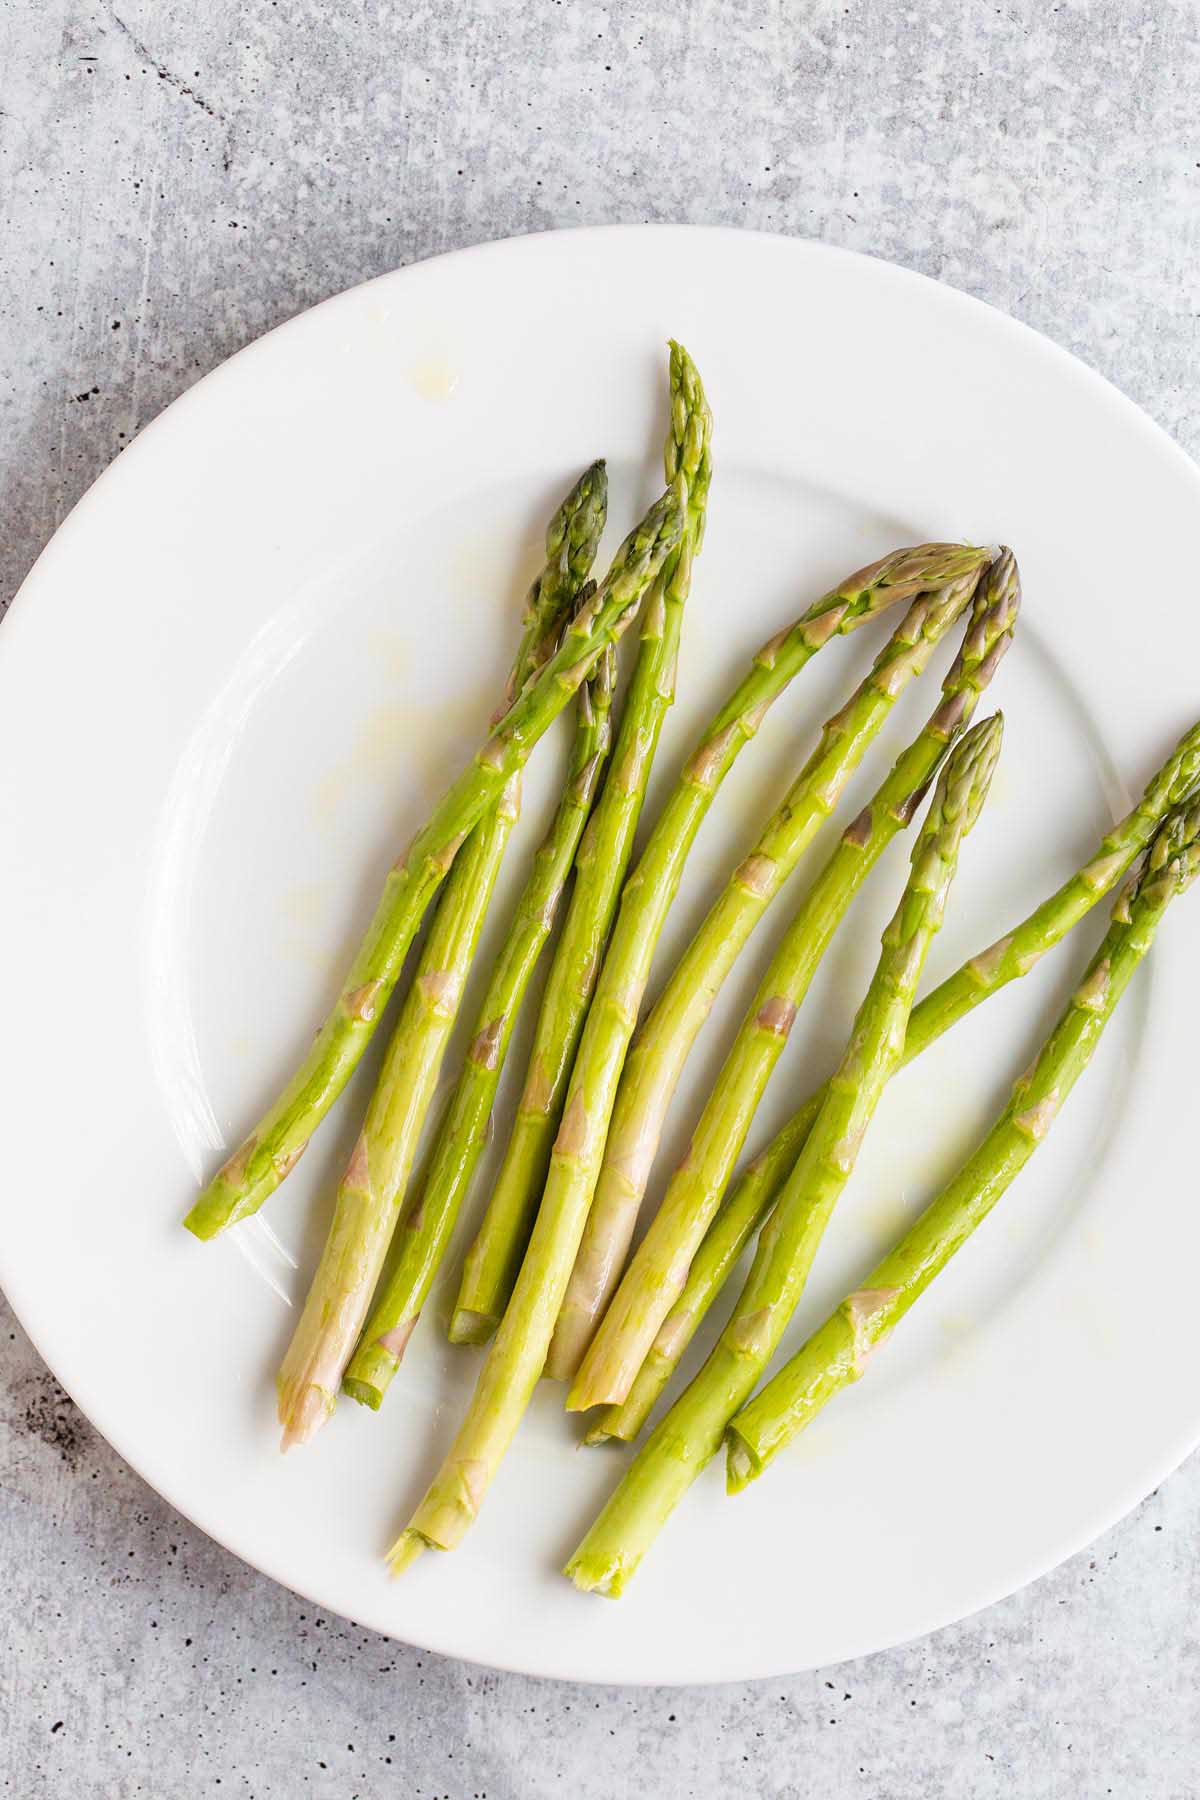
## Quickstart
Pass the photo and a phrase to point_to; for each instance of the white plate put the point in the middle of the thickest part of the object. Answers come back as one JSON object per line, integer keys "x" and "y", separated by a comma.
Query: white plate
{"x": 227, "y": 693}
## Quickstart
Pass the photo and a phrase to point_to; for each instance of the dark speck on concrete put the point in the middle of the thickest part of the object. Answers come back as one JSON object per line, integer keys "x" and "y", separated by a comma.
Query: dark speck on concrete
{"x": 47, "y": 1413}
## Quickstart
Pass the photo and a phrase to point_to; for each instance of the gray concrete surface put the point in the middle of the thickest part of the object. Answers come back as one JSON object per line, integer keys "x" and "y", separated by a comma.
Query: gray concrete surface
{"x": 174, "y": 180}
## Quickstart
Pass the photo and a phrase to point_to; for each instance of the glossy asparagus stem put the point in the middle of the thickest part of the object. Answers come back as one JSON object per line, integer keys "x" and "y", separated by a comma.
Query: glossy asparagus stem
{"x": 665, "y": 1038}
{"x": 691, "y": 1432}
{"x": 514, "y": 1362}
{"x": 263, "y": 1160}
{"x": 653, "y": 1317}
{"x": 425, "y": 1231}
{"x": 518, "y": 1353}
{"x": 372, "y": 1191}
{"x": 491, "y": 1264}
{"x": 836, "y": 1353}
{"x": 753, "y": 1194}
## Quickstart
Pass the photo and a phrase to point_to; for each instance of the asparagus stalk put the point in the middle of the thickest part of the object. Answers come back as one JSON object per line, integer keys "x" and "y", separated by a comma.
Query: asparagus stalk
{"x": 754, "y": 1193}
{"x": 517, "y": 1356}
{"x": 373, "y": 1188}
{"x": 518, "y": 1353}
{"x": 666, "y": 1036}
{"x": 691, "y": 1432}
{"x": 712, "y": 1265}
{"x": 494, "y": 1258}
{"x": 658, "y": 1272}
{"x": 579, "y": 1147}
{"x": 262, "y": 1161}
{"x": 836, "y": 1353}
{"x": 425, "y": 1232}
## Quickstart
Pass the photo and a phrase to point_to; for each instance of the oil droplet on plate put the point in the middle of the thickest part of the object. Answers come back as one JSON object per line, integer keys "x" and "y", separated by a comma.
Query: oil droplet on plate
{"x": 957, "y": 1325}
{"x": 302, "y": 906}
{"x": 434, "y": 377}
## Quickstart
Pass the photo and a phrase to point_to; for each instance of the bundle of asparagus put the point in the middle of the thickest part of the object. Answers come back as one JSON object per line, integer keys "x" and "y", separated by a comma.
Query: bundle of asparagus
{"x": 492, "y": 1262}
{"x": 548, "y": 1276}
{"x": 753, "y": 1195}
{"x": 519, "y": 1351}
{"x": 273, "y": 1148}
{"x": 656, "y": 1060}
{"x": 692, "y": 1431}
{"x": 653, "y": 1280}
{"x": 837, "y": 1352}
{"x": 372, "y": 1190}
{"x": 463, "y": 1133}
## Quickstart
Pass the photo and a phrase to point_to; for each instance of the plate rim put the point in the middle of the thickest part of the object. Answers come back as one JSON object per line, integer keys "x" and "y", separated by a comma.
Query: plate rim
{"x": 538, "y": 242}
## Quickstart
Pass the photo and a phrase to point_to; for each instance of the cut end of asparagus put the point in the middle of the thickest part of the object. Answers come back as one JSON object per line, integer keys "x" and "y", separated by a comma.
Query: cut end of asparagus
{"x": 600, "y": 1575}
{"x": 599, "y": 1434}
{"x": 571, "y": 1336}
{"x": 602, "y": 1382}
{"x": 405, "y": 1551}
{"x": 215, "y": 1210}
{"x": 741, "y": 1465}
{"x": 365, "y": 1392}
{"x": 302, "y": 1416}
{"x": 374, "y": 1363}
{"x": 199, "y": 1224}
{"x": 467, "y": 1327}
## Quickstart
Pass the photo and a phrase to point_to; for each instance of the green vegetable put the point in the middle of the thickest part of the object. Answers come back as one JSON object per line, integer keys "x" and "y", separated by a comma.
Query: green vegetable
{"x": 257, "y": 1167}
{"x": 691, "y": 1432}
{"x": 836, "y": 1353}
{"x": 491, "y": 1264}
{"x": 373, "y": 1189}
{"x": 658, "y": 1272}
{"x": 518, "y": 1353}
{"x": 754, "y": 1193}
{"x": 664, "y": 1040}
{"x": 425, "y": 1231}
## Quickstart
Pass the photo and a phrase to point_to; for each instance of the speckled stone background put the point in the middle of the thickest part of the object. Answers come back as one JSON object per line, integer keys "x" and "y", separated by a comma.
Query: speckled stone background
{"x": 176, "y": 178}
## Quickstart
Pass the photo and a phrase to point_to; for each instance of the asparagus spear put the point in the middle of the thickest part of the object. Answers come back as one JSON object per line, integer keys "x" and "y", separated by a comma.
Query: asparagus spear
{"x": 666, "y": 1036}
{"x": 373, "y": 1188}
{"x": 836, "y": 1353}
{"x": 425, "y": 1233}
{"x": 518, "y": 1353}
{"x": 712, "y": 1265}
{"x": 495, "y": 1256}
{"x": 658, "y": 1272}
{"x": 756, "y": 1189}
{"x": 691, "y": 1432}
{"x": 257, "y": 1167}
{"x": 519, "y": 1350}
